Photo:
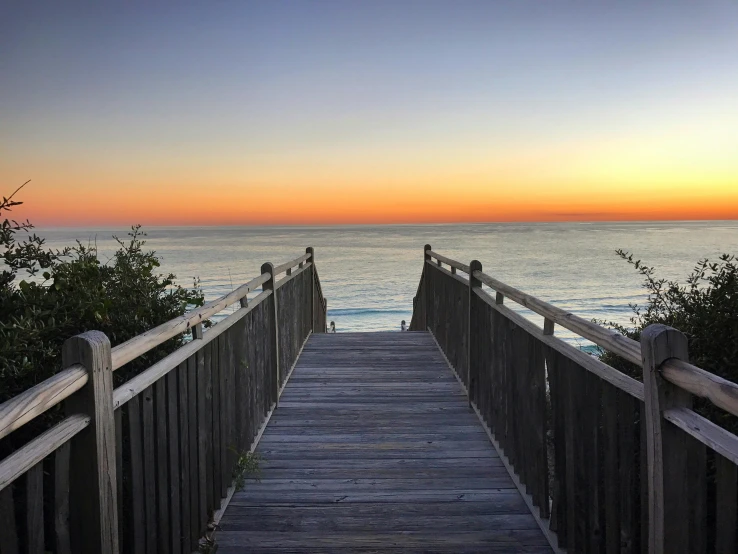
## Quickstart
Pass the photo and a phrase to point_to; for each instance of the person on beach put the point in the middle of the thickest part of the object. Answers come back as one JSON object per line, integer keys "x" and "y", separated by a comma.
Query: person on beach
{"x": 333, "y": 327}
{"x": 402, "y": 326}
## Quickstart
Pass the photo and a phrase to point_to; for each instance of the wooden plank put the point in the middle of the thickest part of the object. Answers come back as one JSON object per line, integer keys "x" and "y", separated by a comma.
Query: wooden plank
{"x": 592, "y": 440}
{"x": 629, "y": 501}
{"x": 162, "y": 465}
{"x": 224, "y": 414}
{"x": 726, "y": 510}
{"x": 120, "y": 470}
{"x": 217, "y": 424}
{"x": 204, "y": 460}
{"x": 194, "y": 447}
{"x": 35, "y": 536}
{"x": 249, "y": 520}
{"x": 149, "y": 469}
{"x": 138, "y": 520}
{"x": 21, "y": 409}
{"x": 343, "y": 456}
{"x": 8, "y": 530}
{"x": 611, "y": 462}
{"x": 175, "y": 466}
{"x": 577, "y": 510}
{"x": 185, "y": 476}
{"x": 558, "y": 391}
{"x": 61, "y": 500}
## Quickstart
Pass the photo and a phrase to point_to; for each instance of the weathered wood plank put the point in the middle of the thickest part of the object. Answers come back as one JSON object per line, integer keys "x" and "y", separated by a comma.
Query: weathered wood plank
{"x": 8, "y": 530}
{"x": 138, "y": 520}
{"x": 162, "y": 465}
{"x": 35, "y": 536}
{"x": 194, "y": 447}
{"x": 61, "y": 500}
{"x": 149, "y": 468}
{"x": 347, "y": 454}
{"x": 175, "y": 466}
{"x": 726, "y": 481}
{"x": 185, "y": 475}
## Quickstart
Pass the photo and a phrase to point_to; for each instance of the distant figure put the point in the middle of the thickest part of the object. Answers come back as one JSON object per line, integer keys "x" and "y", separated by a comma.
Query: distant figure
{"x": 402, "y": 326}
{"x": 333, "y": 327}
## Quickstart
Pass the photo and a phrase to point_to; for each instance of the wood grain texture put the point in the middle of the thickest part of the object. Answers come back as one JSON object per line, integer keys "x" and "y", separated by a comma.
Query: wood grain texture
{"x": 8, "y": 529}
{"x": 140, "y": 344}
{"x": 35, "y": 538}
{"x": 355, "y": 463}
{"x": 37, "y": 449}
{"x": 21, "y": 409}
{"x": 447, "y": 315}
{"x": 664, "y": 441}
{"x": 93, "y": 475}
{"x": 61, "y": 499}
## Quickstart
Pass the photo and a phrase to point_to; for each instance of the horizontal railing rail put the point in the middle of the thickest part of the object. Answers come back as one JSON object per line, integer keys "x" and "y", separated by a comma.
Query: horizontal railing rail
{"x": 140, "y": 467}
{"x": 697, "y": 381}
{"x": 617, "y": 465}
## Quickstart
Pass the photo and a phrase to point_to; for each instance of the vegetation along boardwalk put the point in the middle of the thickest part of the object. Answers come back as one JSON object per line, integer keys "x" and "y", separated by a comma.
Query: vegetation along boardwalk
{"x": 480, "y": 430}
{"x": 374, "y": 447}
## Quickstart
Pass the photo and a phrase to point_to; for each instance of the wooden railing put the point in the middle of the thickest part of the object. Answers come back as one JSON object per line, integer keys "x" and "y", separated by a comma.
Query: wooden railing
{"x": 607, "y": 463}
{"x": 144, "y": 467}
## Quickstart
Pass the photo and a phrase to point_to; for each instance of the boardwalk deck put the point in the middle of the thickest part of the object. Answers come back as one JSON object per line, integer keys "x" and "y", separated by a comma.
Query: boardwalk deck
{"x": 374, "y": 448}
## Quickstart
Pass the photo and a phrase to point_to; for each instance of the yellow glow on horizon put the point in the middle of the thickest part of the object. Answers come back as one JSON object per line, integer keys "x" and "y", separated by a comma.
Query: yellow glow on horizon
{"x": 685, "y": 174}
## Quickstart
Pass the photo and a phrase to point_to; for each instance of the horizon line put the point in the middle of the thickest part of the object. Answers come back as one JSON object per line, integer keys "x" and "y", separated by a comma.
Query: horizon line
{"x": 423, "y": 224}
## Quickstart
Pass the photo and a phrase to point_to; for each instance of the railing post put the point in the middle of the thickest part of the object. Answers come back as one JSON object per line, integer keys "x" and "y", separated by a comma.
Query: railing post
{"x": 309, "y": 250}
{"x": 93, "y": 482}
{"x": 274, "y": 331}
{"x": 658, "y": 344}
{"x": 426, "y": 297}
{"x": 474, "y": 283}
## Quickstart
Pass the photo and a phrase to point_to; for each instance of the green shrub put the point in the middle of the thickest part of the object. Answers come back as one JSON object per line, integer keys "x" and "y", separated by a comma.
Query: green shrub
{"x": 47, "y": 296}
{"x": 705, "y": 309}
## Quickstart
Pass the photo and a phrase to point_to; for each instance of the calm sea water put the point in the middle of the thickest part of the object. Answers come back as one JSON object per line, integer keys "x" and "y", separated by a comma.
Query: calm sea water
{"x": 370, "y": 274}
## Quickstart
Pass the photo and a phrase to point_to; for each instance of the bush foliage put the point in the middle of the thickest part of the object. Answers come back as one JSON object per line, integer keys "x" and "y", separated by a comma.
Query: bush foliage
{"x": 47, "y": 296}
{"x": 705, "y": 309}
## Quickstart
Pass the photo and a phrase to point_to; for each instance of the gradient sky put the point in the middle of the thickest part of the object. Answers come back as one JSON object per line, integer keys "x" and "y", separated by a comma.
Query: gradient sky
{"x": 244, "y": 112}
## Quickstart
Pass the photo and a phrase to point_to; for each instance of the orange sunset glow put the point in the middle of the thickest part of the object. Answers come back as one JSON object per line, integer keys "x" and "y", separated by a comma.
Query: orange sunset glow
{"x": 329, "y": 117}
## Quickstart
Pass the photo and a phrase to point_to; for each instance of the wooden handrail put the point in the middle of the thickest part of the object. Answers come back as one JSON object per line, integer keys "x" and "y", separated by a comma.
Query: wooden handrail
{"x": 606, "y": 338}
{"x": 292, "y": 263}
{"x": 178, "y": 399}
{"x": 146, "y": 378}
{"x": 591, "y": 423}
{"x": 291, "y": 275}
{"x": 21, "y": 409}
{"x": 719, "y": 391}
{"x": 39, "y": 448}
{"x": 721, "y": 441}
{"x": 448, "y": 261}
{"x": 133, "y": 348}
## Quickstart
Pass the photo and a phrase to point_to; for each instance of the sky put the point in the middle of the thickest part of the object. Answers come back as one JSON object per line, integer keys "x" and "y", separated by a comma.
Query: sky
{"x": 340, "y": 112}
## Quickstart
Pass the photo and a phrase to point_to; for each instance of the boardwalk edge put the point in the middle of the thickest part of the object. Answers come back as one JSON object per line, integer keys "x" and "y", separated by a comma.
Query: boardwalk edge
{"x": 543, "y": 523}
{"x": 232, "y": 489}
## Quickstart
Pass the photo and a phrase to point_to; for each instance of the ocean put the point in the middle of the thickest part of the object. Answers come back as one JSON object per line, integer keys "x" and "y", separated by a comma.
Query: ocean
{"x": 370, "y": 274}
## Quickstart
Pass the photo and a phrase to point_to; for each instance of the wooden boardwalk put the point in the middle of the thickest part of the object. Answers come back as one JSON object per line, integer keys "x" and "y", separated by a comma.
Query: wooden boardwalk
{"x": 374, "y": 448}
